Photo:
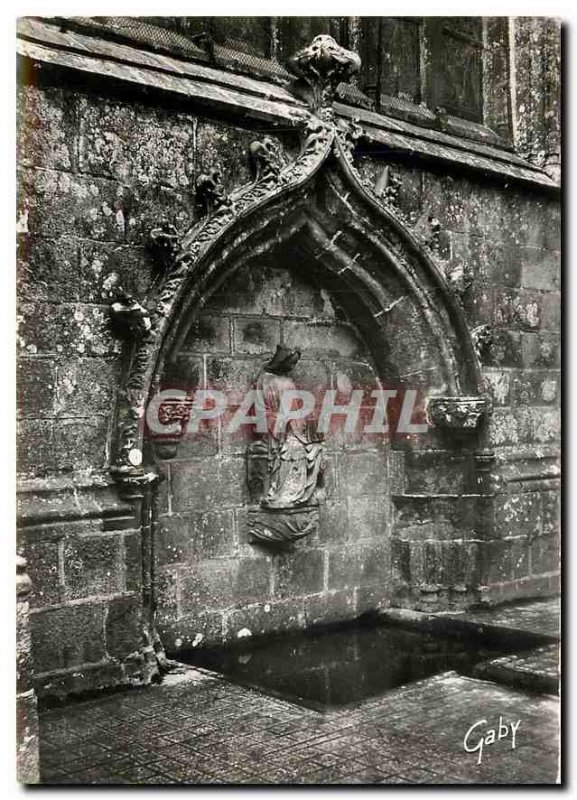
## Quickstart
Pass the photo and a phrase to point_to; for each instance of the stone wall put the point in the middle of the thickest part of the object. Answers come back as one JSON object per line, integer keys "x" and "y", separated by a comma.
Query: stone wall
{"x": 212, "y": 581}
{"x": 98, "y": 170}
{"x": 500, "y": 249}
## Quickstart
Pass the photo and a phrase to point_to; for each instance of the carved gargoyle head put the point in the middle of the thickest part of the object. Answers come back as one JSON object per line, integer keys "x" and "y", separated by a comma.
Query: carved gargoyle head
{"x": 322, "y": 66}
{"x": 210, "y": 191}
{"x": 164, "y": 243}
{"x": 265, "y": 158}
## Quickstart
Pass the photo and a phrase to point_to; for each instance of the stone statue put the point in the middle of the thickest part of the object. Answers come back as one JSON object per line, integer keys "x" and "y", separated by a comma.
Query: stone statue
{"x": 285, "y": 466}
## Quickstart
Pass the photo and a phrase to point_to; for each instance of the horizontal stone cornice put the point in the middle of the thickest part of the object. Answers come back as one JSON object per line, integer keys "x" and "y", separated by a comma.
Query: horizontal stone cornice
{"x": 251, "y": 101}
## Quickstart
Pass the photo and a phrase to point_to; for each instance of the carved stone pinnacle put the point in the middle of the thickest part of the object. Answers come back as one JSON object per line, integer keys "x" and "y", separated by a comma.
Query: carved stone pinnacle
{"x": 323, "y": 65}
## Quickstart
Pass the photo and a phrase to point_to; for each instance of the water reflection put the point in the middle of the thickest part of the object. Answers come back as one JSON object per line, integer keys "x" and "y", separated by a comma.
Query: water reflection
{"x": 338, "y": 667}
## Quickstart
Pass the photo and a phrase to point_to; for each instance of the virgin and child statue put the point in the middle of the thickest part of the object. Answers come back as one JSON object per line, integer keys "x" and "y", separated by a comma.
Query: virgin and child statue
{"x": 285, "y": 464}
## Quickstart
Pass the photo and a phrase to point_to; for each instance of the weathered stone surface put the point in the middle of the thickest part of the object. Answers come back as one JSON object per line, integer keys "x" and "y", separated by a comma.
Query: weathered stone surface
{"x": 541, "y": 269}
{"x": 80, "y": 444}
{"x": 333, "y": 522}
{"x": 209, "y": 479}
{"x": 317, "y": 338}
{"x": 224, "y": 148}
{"x": 69, "y": 636}
{"x": 276, "y": 616}
{"x": 34, "y": 453}
{"x": 518, "y": 514}
{"x": 330, "y": 607}
{"x": 85, "y": 385}
{"x": 123, "y": 627}
{"x": 519, "y": 310}
{"x": 208, "y": 534}
{"x": 80, "y": 328}
{"x": 299, "y": 572}
{"x": 208, "y": 334}
{"x": 537, "y": 388}
{"x": 45, "y": 573}
{"x": 134, "y": 144}
{"x": 92, "y": 566}
{"x": 46, "y": 128}
{"x": 498, "y": 382}
{"x": 188, "y": 631}
{"x": 362, "y": 474}
{"x": 48, "y": 269}
{"x": 541, "y": 350}
{"x": 256, "y": 336}
{"x": 367, "y": 518}
{"x": 36, "y": 385}
{"x": 105, "y": 269}
{"x": 551, "y": 311}
{"x": 504, "y": 349}
{"x": 220, "y": 582}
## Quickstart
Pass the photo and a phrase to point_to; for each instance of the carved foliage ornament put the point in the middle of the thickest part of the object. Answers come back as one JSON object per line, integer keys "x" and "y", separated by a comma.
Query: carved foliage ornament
{"x": 457, "y": 413}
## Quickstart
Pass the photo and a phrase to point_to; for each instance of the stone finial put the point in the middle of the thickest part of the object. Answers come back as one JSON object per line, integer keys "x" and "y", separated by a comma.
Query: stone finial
{"x": 323, "y": 65}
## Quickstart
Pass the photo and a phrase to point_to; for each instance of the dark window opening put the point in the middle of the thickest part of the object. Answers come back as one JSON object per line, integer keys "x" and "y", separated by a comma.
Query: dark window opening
{"x": 418, "y": 68}
{"x": 456, "y": 65}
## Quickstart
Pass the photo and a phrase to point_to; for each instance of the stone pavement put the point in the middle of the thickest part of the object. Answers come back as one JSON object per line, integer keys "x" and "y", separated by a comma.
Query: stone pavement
{"x": 537, "y": 670}
{"x": 198, "y": 728}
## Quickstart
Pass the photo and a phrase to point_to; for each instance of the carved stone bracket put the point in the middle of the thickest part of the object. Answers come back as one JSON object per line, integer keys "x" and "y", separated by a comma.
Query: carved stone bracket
{"x": 456, "y": 413}
{"x": 130, "y": 320}
{"x": 322, "y": 66}
{"x": 282, "y": 527}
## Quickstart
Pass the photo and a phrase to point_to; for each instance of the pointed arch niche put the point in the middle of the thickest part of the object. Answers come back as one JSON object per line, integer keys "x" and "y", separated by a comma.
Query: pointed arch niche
{"x": 315, "y": 219}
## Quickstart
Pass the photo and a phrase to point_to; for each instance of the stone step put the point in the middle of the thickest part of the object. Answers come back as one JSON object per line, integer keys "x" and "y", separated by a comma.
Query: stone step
{"x": 537, "y": 670}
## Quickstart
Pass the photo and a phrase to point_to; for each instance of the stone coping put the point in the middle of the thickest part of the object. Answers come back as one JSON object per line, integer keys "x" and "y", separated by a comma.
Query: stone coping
{"x": 536, "y": 670}
{"x": 499, "y": 623}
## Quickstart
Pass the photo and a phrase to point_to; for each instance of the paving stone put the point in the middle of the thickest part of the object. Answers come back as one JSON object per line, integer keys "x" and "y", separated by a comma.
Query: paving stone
{"x": 204, "y": 730}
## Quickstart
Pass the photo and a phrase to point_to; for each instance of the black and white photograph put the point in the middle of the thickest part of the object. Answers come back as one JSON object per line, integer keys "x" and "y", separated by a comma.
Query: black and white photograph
{"x": 288, "y": 399}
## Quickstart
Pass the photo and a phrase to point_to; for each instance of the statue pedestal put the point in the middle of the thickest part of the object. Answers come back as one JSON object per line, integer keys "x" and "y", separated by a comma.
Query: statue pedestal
{"x": 283, "y": 525}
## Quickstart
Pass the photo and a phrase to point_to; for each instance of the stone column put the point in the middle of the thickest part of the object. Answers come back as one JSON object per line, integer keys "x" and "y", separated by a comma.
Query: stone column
{"x": 27, "y": 761}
